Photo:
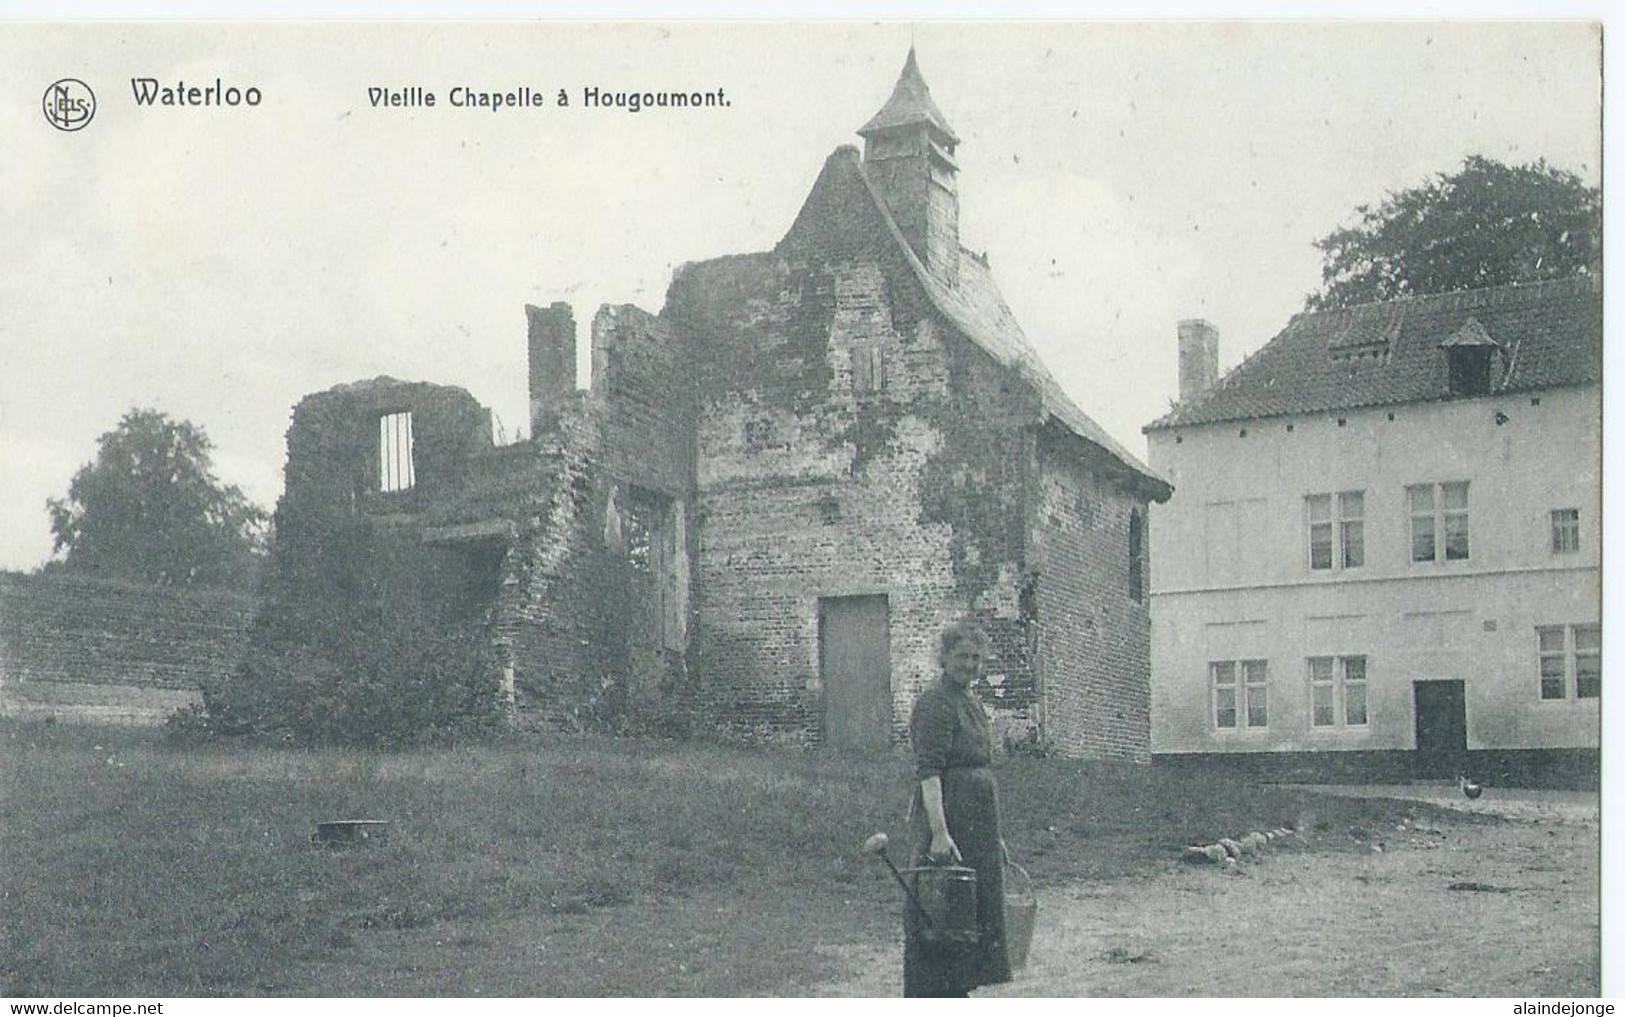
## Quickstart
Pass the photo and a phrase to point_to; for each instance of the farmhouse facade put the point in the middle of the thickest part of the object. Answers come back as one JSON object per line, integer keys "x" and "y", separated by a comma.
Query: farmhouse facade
{"x": 776, "y": 492}
{"x": 1383, "y": 560}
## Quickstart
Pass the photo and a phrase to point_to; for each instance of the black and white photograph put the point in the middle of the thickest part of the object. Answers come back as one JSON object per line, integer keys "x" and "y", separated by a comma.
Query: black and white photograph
{"x": 802, "y": 509}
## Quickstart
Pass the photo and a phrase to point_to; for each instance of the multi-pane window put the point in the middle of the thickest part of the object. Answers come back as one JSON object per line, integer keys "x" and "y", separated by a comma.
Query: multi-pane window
{"x": 395, "y": 451}
{"x": 1240, "y": 693}
{"x": 1565, "y": 530}
{"x": 1570, "y": 659}
{"x": 1336, "y": 540}
{"x": 1587, "y": 661}
{"x": 1337, "y": 691}
{"x": 1438, "y": 511}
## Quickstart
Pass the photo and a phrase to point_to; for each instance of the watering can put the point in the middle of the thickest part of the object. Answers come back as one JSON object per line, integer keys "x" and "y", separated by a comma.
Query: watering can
{"x": 943, "y": 896}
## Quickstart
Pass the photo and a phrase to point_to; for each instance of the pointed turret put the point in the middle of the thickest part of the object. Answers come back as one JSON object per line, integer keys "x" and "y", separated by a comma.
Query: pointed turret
{"x": 910, "y": 105}
{"x": 909, "y": 154}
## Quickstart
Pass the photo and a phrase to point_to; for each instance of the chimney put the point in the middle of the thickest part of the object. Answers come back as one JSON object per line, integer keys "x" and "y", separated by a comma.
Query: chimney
{"x": 552, "y": 353}
{"x": 1198, "y": 357}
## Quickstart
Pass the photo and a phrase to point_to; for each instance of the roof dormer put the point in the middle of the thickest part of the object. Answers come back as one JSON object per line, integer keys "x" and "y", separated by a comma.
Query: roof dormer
{"x": 1471, "y": 354}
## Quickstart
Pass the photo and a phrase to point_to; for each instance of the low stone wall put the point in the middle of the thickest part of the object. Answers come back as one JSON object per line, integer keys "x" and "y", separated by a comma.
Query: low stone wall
{"x": 107, "y": 652}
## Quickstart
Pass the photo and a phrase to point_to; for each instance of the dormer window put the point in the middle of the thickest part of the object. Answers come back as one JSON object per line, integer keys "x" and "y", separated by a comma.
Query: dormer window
{"x": 395, "y": 452}
{"x": 1469, "y": 370}
{"x": 1471, "y": 357}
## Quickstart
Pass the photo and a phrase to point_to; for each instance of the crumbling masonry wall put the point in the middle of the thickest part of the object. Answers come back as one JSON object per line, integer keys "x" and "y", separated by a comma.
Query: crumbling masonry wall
{"x": 595, "y": 610}
{"x": 363, "y": 574}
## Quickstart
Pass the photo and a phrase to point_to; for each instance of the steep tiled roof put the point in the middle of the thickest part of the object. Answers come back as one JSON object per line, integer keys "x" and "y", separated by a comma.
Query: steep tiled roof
{"x": 977, "y": 308}
{"x": 1548, "y": 335}
{"x": 974, "y": 306}
{"x": 910, "y": 103}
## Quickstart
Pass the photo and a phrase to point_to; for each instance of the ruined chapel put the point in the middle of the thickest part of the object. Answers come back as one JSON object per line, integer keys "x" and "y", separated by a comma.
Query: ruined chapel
{"x": 776, "y": 491}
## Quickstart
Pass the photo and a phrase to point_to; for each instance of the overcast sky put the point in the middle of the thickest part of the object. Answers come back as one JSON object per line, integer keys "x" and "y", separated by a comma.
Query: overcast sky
{"x": 218, "y": 264}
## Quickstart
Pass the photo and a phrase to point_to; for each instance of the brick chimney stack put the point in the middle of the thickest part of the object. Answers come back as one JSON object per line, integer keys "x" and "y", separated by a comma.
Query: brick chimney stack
{"x": 552, "y": 354}
{"x": 1198, "y": 357}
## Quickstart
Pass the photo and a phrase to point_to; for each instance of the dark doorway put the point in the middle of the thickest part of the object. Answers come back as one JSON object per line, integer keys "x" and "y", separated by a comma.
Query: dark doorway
{"x": 1441, "y": 728}
{"x": 854, "y": 660}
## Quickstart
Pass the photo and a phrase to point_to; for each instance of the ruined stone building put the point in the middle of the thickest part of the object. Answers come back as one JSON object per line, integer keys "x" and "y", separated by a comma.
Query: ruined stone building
{"x": 777, "y": 491}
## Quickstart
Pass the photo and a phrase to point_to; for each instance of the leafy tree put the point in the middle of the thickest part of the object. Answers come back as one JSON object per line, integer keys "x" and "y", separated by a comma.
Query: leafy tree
{"x": 150, "y": 508}
{"x": 1488, "y": 224}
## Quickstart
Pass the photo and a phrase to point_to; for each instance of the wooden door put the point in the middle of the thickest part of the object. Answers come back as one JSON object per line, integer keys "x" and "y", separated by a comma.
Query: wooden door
{"x": 1441, "y": 728}
{"x": 854, "y": 660}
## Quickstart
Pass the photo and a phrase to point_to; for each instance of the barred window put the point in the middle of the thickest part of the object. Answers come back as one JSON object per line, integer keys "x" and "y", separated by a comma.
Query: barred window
{"x": 395, "y": 452}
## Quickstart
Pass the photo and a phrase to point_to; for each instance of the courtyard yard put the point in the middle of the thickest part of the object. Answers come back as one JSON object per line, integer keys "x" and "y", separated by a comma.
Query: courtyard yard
{"x": 594, "y": 866}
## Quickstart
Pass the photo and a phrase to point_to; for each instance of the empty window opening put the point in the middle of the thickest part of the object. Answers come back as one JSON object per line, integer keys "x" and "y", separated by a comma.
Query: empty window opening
{"x": 395, "y": 472}
{"x": 1136, "y": 555}
{"x": 642, "y": 520}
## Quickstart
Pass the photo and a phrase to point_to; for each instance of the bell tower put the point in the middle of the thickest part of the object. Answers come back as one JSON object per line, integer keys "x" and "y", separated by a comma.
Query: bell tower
{"x": 908, "y": 151}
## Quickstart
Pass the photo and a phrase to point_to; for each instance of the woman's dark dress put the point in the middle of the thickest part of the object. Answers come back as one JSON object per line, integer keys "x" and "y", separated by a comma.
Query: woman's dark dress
{"x": 952, "y": 738}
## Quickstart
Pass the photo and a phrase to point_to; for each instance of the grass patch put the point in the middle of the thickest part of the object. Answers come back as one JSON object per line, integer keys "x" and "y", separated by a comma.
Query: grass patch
{"x": 559, "y": 866}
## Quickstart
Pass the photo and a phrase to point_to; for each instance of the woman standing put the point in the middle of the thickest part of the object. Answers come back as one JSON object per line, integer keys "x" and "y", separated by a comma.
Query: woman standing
{"x": 956, "y": 818}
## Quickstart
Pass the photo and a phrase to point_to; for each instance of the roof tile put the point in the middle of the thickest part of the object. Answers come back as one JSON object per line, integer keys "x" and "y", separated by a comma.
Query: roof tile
{"x": 1381, "y": 354}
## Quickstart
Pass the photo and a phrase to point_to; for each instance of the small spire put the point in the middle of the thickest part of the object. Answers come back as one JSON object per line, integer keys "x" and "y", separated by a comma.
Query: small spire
{"x": 910, "y": 104}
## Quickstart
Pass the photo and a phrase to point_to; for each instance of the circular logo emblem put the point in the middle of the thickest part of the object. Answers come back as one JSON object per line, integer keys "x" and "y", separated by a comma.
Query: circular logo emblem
{"x": 69, "y": 104}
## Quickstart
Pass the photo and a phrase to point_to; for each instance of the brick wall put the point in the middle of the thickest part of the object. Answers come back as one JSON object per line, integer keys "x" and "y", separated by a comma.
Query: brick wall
{"x": 644, "y": 405}
{"x": 99, "y": 650}
{"x": 809, "y": 487}
{"x": 1094, "y": 639}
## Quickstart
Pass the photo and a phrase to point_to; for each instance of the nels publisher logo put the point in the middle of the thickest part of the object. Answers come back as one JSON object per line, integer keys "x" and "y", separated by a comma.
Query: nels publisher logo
{"x": 69, "y": 104}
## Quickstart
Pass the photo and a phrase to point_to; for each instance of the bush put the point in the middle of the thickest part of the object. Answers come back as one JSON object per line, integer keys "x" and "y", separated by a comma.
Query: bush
{"x": 339, "y": 657}
{"x": 401, "y": 687}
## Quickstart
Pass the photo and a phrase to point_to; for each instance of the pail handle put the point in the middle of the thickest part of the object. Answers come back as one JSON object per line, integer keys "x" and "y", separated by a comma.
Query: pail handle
{"x": 1024, "y": 873}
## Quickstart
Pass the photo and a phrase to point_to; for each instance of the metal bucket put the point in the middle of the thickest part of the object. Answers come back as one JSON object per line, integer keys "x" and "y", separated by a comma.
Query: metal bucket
{"x": 1020, "y": 915}
{"x": 946, "y": 898}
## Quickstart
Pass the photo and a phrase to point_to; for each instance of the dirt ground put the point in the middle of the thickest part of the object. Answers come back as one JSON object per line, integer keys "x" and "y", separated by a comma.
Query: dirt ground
{"x": 1446, "y": 908}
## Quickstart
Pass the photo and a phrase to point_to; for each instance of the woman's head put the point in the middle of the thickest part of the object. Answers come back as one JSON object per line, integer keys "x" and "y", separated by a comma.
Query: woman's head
{"x": 962, "y": 650}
